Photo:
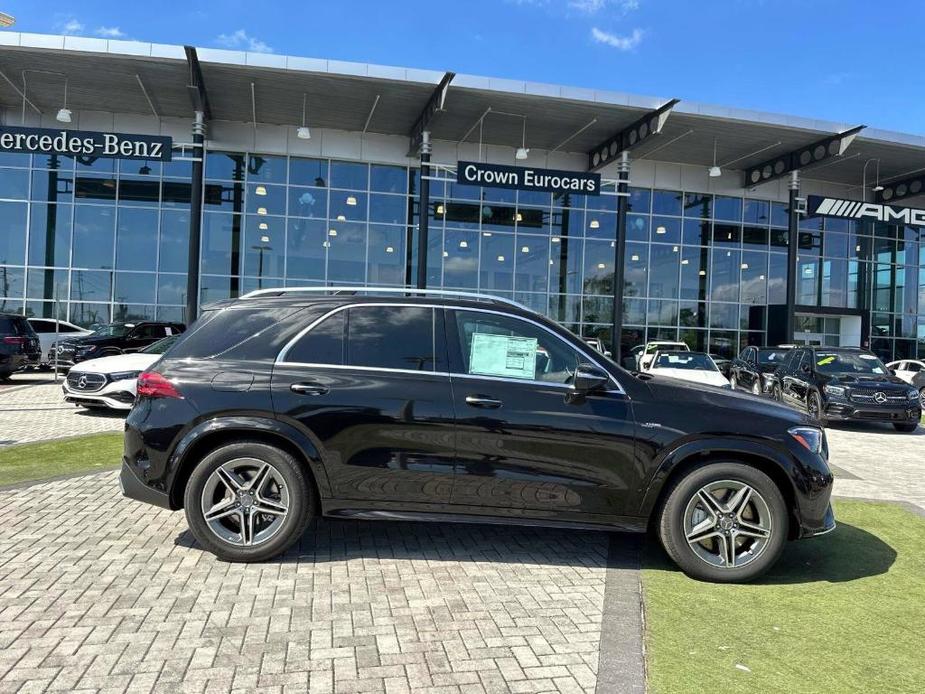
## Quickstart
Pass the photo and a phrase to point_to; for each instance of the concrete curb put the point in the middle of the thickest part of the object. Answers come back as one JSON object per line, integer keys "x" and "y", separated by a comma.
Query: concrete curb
{"x": 621, "y": 660}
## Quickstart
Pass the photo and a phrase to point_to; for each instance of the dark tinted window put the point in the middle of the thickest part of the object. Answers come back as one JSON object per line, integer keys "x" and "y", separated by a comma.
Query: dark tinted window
{"x": 391, "y": 337}
{"x": 323, "y": 344}
{"x": 231, "y": 333}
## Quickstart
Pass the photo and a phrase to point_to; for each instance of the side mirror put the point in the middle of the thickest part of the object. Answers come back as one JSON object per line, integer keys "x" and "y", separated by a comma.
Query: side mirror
{"x": 805, "y": 368}
{"x": 589, "y": 378}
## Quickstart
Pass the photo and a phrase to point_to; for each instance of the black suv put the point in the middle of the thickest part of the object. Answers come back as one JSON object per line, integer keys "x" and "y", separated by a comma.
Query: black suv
{"x": 287, "y": 404}
{"x": 753, "y": 370}
{"x": 842, "y": 383}
{"x": 114, "y": 338}
{"x": 19, "y": 345}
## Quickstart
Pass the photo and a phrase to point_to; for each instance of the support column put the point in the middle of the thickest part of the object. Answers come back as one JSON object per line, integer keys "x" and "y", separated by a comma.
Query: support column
{"x": 793, "y": 227}
{"x": 619, "y": 256}
{"x": 424, "y": 210}
{"x": 195, "y": 220}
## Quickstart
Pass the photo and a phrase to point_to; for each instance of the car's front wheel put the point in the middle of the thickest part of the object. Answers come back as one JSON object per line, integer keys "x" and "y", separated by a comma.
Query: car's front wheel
{"x": 724, "y": 522}
{"x": 248, "y": 501}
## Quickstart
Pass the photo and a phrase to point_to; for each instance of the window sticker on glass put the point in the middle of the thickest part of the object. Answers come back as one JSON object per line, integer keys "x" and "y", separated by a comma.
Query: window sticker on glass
{"x": 503, "y": 355}
{"x": 825, "y": 360}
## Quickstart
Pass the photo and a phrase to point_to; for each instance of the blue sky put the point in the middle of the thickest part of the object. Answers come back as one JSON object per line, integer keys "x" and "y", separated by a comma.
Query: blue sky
{"x": 849, "y": 61}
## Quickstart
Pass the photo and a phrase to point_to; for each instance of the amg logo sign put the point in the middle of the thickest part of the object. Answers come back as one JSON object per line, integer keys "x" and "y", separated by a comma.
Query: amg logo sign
{"x": 76, "y": 143}
{"x": 819, "y": 206}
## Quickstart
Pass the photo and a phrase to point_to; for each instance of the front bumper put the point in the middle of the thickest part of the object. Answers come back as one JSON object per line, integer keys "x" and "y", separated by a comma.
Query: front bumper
{"x": 826, "y": 526}
{"x": 847, "y": 411}
{"x": 116, "y": 395}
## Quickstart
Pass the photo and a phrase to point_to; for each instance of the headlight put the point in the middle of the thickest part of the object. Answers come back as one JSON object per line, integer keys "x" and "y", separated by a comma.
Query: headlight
{"x": 124, "y": 375}
{"x": 837, "y": 391}
{"x": 809, "y": 437}
{"x": 912, "y": 394}
{"x": 88, "y": 348}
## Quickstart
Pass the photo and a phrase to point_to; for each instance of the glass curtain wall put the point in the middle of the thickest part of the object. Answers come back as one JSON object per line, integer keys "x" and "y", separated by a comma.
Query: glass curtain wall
{"x": 109, "y": 238}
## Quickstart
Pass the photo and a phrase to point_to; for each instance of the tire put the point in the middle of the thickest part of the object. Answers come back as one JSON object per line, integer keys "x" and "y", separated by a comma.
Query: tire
{"x": 906, "y": 428}
{"x": 764, "y": 509}
{"x": 286, "y": 487}
{"x": 814, "y": 402}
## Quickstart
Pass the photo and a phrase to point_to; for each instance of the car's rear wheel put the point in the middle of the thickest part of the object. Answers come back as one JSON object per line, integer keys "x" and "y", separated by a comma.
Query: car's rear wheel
{"x": 248, "y": 501}
{"x": 906, "y": 428}
{"x": 724, "y": 522}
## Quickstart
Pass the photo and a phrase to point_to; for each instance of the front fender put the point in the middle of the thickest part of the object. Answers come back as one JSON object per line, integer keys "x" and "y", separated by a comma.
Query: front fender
{"x": 250, "y": 426}
{"x": 734, "y": 448}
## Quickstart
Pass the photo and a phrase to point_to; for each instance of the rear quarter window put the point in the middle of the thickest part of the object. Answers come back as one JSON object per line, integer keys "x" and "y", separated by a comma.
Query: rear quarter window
{"x": 236, "y": 333}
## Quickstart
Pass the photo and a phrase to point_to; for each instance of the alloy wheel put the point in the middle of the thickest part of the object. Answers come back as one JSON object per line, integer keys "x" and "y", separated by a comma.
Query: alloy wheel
{"x": 728, "y": 524}
{"x": 812, "y": 406}
{"x": 245, "y": 502}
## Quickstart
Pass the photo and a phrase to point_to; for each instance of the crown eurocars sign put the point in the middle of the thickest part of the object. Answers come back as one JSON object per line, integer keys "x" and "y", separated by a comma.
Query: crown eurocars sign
{"x": 473, "y": 173}
{"x": 76, "y": 143}
{"x": 821, "y": 206}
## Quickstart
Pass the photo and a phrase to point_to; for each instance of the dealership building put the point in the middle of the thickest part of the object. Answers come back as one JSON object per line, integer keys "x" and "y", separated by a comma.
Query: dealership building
{"x": 120, "y": 161}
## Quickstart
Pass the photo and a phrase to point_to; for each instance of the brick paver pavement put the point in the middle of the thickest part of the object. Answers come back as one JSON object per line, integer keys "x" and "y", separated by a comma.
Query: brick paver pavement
{"x": 101, "y": 593}
{"x": 38, "y": 412}
{"x": 887, "y": 465}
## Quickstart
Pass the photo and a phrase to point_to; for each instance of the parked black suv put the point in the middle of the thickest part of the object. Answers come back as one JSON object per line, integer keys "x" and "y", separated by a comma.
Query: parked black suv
{"x": 753, "y": 370}
{"x": 19, "y": 345}
{"x": 113, "y": 338}
{"x": 286, "y": 404}
{"x": 842, "y": 383}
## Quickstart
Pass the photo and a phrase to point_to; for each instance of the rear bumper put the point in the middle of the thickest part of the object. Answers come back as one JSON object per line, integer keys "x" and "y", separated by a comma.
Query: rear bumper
{"x": 134, "y": 488}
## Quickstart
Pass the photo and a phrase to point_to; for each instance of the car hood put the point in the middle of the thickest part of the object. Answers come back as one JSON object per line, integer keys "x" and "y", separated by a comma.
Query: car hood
{"x": 695, "y": 395}
{"x": 712, "y": 378}
{"x": 98, "y": 340}
{"x": 887, "y": 381}
{"x": 120, "y": 362}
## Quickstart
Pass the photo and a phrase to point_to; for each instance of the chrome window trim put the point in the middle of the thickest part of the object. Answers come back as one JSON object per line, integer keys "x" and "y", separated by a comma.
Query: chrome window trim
{"x": 284, "y": 352}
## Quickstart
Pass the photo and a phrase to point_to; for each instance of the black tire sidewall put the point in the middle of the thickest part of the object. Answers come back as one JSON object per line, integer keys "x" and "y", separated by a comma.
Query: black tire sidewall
{"x": 671, "y": 522}
{"x": 301, "y": 501}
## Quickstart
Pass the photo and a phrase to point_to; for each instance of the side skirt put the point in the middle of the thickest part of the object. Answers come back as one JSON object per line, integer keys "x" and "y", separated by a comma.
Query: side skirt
{"x": 351, "y": 510}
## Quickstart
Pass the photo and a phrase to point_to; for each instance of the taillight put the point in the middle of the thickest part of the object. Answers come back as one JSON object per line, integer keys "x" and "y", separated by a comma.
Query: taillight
{"x": 152, "y": 385}
{"x": 14, "y": 340}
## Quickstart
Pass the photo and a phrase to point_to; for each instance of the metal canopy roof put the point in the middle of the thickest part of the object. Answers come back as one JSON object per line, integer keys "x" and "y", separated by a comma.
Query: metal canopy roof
{"x": 107, "y": 76}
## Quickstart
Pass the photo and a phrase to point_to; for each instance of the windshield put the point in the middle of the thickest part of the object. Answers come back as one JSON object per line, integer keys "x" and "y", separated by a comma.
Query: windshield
{"x": 654, "y": 347}
{"x": 111, "y": 330}
{"x": 848, "y": 363}
{"x": 684, "y": 360}
{"x": 160, "y": 346}
{"x": 771, "y": 356}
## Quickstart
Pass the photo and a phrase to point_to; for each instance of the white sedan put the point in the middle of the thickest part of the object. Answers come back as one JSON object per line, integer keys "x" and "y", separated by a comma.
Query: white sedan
{"x": 110, "y": 382}
{"x": 697, "y": 367}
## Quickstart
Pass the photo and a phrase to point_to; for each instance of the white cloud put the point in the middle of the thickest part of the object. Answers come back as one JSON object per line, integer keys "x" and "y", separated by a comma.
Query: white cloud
{"x": 110, "y": 32}
{"x": 241, "y": 39}
{"x": 70, "y": 27}
{"x": 621, "y": 43}
{"x": 595, "y": 6}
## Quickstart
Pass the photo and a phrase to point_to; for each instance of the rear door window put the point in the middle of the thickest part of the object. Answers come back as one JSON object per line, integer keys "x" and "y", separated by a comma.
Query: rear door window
{"x": 391, "y": 337}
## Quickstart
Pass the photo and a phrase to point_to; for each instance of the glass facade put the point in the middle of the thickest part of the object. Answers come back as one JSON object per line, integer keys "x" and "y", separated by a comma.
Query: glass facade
{"x": 108, "y": 239}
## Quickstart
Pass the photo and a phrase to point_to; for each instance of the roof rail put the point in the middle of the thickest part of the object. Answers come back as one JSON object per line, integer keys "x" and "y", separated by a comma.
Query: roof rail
{"x": 279, "y": 291}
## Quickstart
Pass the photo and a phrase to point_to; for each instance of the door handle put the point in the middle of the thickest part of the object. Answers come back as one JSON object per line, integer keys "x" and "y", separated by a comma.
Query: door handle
{"x": 309, "y": 389}
{"x": 483, "y": 401}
